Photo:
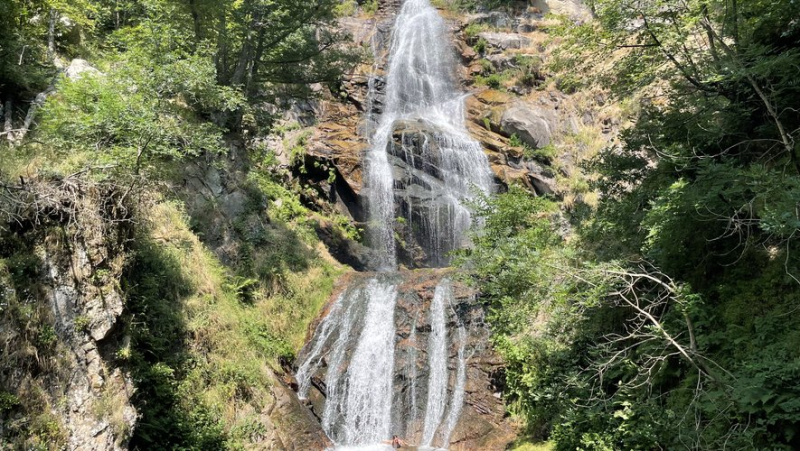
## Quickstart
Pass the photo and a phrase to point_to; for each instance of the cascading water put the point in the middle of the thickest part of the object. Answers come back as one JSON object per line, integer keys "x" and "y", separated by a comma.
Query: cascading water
{"x": 437, "y": 354}
{"x": 420, "y": 134}
{"x": 312, "y": 362}
{"x": 369, "y": 384}
{"x": 359, "y": 331}
{"x": 421, "y": 94}
{"x": 457, "y": 403}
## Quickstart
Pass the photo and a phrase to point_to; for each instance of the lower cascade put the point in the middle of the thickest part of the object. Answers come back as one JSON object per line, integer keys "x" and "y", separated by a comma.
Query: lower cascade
{"x": 390, "y": 356}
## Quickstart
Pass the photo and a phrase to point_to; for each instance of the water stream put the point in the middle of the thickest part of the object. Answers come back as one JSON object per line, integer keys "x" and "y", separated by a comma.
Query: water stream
{"x": 420, "y": 136}
{"x": 437, "y": 363}
{"x": 424, "y": 107}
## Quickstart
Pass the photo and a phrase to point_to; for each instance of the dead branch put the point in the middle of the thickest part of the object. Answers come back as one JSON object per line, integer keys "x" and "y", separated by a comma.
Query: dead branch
{"x": 67, "y": 201}
{"x": 650, "y": 293}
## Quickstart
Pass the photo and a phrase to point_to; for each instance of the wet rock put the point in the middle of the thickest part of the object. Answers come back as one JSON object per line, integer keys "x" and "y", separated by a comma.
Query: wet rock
{"x": 429, "y": 188}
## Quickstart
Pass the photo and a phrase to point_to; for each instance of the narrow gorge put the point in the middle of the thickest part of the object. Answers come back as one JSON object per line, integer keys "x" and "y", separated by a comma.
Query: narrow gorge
{"x": 404, "y": 352}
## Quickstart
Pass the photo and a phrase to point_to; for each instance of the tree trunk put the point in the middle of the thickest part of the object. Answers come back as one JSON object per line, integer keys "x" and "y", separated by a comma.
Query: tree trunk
{"x": 244, "y": 60}
{"x": 221, "y": 58}
{"x": 51, "y": 35}
{"x": 250, "y": 86}
{"x": 8, "y": 124}
{"x": 37, "y": 103}
{"x": 195, "y": 21}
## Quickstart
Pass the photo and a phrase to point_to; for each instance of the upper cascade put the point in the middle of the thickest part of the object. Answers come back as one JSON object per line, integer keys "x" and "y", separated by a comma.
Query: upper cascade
{"x": 422, "y": 164}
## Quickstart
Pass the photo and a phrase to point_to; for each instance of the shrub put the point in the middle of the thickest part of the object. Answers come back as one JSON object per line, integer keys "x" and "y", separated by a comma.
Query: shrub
{"x": 370, "y": 7}
{"x": 494, "y": 81}
{"x": 544, "y": 154}
{"x": 481, "y": 46}
{"x": 81, "y": 323}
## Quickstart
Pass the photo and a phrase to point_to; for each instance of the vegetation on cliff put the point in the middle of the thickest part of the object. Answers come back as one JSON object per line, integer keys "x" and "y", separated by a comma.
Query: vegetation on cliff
{"x": 668, "y": 317}
{"x": 219, "y": 282}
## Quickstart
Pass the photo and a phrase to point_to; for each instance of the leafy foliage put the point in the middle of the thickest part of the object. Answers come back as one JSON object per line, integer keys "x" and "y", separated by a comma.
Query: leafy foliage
{"x": 664, "y": 321}
{"x": 172, "y": 85}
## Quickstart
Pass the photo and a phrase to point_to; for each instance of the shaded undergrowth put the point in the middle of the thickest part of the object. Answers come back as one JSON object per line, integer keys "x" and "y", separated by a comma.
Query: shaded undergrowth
{"x": 206, "y": 341}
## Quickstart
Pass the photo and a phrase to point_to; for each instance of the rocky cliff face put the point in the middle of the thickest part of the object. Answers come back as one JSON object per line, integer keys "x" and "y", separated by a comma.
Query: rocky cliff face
{"x": 506, "y": 120}
{"x": 61, "y": 302}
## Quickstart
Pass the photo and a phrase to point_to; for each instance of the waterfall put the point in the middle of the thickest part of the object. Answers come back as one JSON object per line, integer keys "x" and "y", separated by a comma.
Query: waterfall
{"x": 457, "y": 403}
{"x": 437, "y": 352}
{"x": 311, "y": 364}
{"x": 423, "y": 166}
{"x": 421, "y": 90}
{"x": 359, "y": 335}
{"x": 412, "y": 376}
{"x": 369, "y": 385}
{"x": 355, "y": 345}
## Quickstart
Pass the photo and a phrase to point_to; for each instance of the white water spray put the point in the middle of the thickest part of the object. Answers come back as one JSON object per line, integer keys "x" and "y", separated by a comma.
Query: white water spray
{"x": 437, "y": 358}
{"x": 421, "y": 89}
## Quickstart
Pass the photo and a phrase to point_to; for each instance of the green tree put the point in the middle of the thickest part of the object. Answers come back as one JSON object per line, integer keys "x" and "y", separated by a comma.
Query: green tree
{"x": 672, "y": 301}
